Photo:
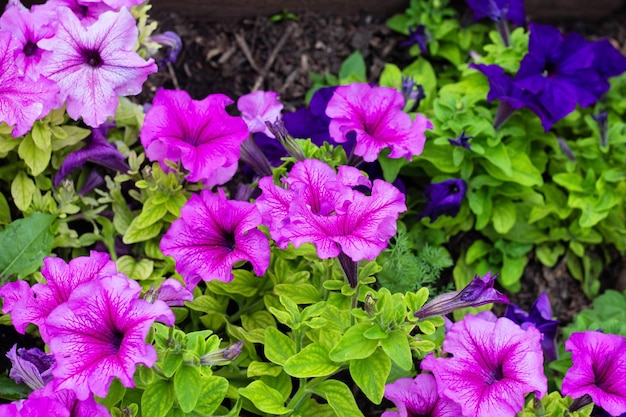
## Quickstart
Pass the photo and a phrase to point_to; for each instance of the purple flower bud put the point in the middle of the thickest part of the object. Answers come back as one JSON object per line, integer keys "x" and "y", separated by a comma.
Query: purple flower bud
{"x": 30, "y": 366}
{"x": 279, "y": 131}
{"x": 222, "y": 356}
{"x": 478, "y": 292}
{"x": 462, "y": 141}
{"x": 171, "y": 43}
{"x": 412, "y": 91}
{"x": 417, "y": 36}
{"x": 603, "y": 126}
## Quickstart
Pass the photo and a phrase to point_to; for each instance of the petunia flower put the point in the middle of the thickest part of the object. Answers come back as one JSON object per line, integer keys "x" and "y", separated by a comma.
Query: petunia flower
{"x": 374, "y": 115}
{"x": 171, "y": 44}
{"x": 540, "y": 316}
{"x": 260, "y": 107}
{"x": 462, "y": 141}
{"x": 598, "y": 370}
{"x": 442, "y": 198}
{"x": 199, "y": 134}
{"x": 478, "y": 292}
{"x": 30, "y": 366}
{"x": 494, "y": 364}
{"x": 35, "y": 407}
{"x": 99, "y": 334}
{"x": 417, "y": 36}
{"x": 418, "y": 397}
{"x": 28, "y": 28}
{"x": 498, "y": 10}
{"x": 77, "y": 408}
{"x": 22, "y": 100}
{"x": 171, "y": 292}
{"x": 411, "y": 91}
{"x": 94, "y": 65}
{"x": 97, "y": 150}
{"x": 211, "y": 235}
{"x": 34, "y": 305}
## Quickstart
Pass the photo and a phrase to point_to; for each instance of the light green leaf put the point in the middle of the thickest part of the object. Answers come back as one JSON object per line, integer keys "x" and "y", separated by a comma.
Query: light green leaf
{"x": 137, "y": 270}
{"x": 278, "y": 346}
{"x": 312, "y": 361}
{"x": 25, "y": 242}
{"x": 339, "y": 397}
{"x": 353, "y": 68}
{"x": 265, "y": 398}
{"x": 214, "y": 390}
{"x": 370, "y": 374}
{"x": 391, "y": 76}
{"x": 353, "y": 345}
{"x": 187, "y": 387}
{"x": 42, "y": 136}
{"x": 152, "y": 212}
{"x": 299, "y": 293}
{"x": 157, "y": 399}
{"x": 22, "y": 190}
{"x": 5, "y": 211}
{"x": 35, "y": 158}
{"x": 397, "y": 347}
{"x": 391, "y": 166}
{"x": 503, "y": 215}
{"x": 135, "y": 234}
{"x": 73, "y": 135}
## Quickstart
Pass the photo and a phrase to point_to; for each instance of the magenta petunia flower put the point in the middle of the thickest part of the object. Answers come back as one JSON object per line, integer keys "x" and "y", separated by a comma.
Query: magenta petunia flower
{"x": 34, "y": 306}
{"x": 36, "y": 407}
{"x": 321, "y": 207}
{"x": 99, "y": 334}
{"x": 171, "y": 292}
{"x": 199, "y": 134}
{"x": 259, "y": 107}
{"x": 419, "y": 397}
{"x": 94, "y": 65}
{"x": 22, "y": 101}
{"x": 87, "y": 12}
{"x": 211, "y": 235}
{"x": 374, "y": 115}
{"x": 599, "y": 369}
{"x": 494, "y": 364}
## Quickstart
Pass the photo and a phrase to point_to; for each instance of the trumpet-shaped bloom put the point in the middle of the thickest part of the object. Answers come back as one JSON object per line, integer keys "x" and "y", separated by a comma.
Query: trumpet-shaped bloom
{"x": 99, "y": 334}
{"x": 62, "y": 278}
{"x": 494, "y": 364}
{"x": 199, "y": 134}
{"x": 30, "y": 366}
{"x": 540, "y": 316}
{"x": 321, "y": 207}
{"x": 77, "y": 408}
{"x": 35, "y": 407}
{"x": 442, "y": 198}
{"x": 259, "y": 107}
{"x": 497, "y": 10}
{"x": 374, "y": 116}
{"x": 94, "y": 65}
{"x": 478, "y": 292}
{"x": 22, "y": 100}
{"x": 599, "y": 369}
{"x": 419, "y": 397}
{"x": 211, "y": 235}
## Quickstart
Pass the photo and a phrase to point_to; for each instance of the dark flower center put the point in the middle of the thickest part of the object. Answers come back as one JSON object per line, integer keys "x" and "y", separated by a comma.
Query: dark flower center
{"x": 30, "y": 48}
{"x": 229, "y": 240}
{"x": 92, "y": 57}
{"x": 117, "y": 337}
{"x": 82, "y": 11}
{"x": 495, "y": 375}
{"x": 549, "y": 69}
{"x": 453, "y": 189}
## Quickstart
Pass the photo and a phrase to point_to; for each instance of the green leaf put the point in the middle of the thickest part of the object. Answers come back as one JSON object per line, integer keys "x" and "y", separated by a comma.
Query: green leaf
{"x": 157, "y": 399}
{"x": 353, "y": 69}
{"x": 278, "y": 346}
{"x": 187, "y": 387}
{"x": 312, "y": 361}
{"x": 135, "y": 234}
{"x": 397, "y": 347}
{"x": 23, "y": 189}
{"x": 73, "y": 135}
{"x": 391, "y": 166}
{"x": 339, "y": 397}
{"x": 391, "y": 76}
{"x": 512, "y": 270}
{"x": 35, "y": 158}
{"x": 503, "y": 215}
{"x": 169, "y": 362}
{"x": 25, "y": 242}
{"x": 265, "y": 398}
{"x": 299, "y": 293}
{"x": 5, "y": 210}
{"x": 42, "y": 136}
{"x": 370, "y": 374}
{"x": 152, "y": 212}
{"x": 134, "y": 269}
{"x": 213, "y": 392}
{"x": 353, "y": 345}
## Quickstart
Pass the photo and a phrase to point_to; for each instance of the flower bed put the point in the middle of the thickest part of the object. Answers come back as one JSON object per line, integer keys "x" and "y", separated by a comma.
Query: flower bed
{"x": 222, "y": 255}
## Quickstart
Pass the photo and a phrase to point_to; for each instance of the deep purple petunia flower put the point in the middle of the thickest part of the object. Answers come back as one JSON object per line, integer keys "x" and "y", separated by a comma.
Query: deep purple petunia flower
{"x": 599, "y": 369}
{"x": 260, "y": 107}
{"x": 99, "y": 334}
{"x": 419, "y": 397}
{"x": 494, "y": 364}
{"x": 540, "y": 316}
{"x": 34, "y": 306}
{"x": 498, "y": 10}
{"x": 98, "y": 150}
{"x": 443, "y": 197}
{"x": 417, "y": 36}
{"x": 94, "y": 65}
{"x": 30, "y": 366}
{"x": 22, "y": 101}
{"x": 199, "y": 134}
{"x": 462, "y": 141}
{"x": 324, "y": 208}
{"x": 478, "y": 292}
{"x": 374, "y": 115}
{"x": 211, "y": 235}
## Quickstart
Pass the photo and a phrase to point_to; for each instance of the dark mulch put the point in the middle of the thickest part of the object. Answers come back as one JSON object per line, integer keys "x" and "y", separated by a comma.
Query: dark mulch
{"x": 236, "y": 58}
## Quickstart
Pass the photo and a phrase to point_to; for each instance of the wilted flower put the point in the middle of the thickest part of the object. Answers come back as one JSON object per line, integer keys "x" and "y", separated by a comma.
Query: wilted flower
{"x": 30, "y": 366}
{"x": 417, "y": 36}
{"x": 211, "y": 235}
{"x": 199, "y": 134}
{"x": 443, "y": 198}
{"x": 171, "y": 44}
{"x": 598, "y": 370}
{"x": 411, "y": 91}
{"x": 94, "y": 65}
{"x": 171, "y": 292}
{"x": 498, "y": 10}
{"x": 494, "y": 364}
{"x": 462, "y": 141}
{"x": 374, "y": 116}
{"x": 540, "y": 316}
{"x": 603, "y": 126}
{"x": 99, "y": 334}
{"x": 478, "y": 292}
{"x": 418, "y": 397}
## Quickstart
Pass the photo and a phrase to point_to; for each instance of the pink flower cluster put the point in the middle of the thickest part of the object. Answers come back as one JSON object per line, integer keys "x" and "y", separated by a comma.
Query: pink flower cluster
{"x": 73, "y": 52}
{"x": 95, "y": 324}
